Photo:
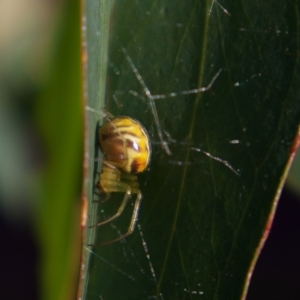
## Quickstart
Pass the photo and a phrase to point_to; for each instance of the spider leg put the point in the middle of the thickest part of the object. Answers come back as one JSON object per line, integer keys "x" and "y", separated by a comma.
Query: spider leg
{"x": 150, "y": 98}
{"x": 120, "y": 210}
{"x": 132, "y": 222}
{"x": 107, "y": 196}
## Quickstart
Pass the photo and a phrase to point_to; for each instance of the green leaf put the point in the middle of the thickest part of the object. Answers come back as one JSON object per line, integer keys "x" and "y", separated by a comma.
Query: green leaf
{"x": 208, "y": 206}
{"x": 60, "y": 124}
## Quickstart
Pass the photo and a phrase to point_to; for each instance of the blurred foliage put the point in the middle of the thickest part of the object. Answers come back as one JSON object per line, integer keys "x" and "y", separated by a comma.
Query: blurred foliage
{"x": 59, "y": 115}
{"x": 42, "y": 134}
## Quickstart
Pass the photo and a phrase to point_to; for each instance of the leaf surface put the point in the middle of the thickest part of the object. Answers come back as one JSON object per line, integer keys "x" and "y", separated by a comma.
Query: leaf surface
{"x": 207, "y": 207}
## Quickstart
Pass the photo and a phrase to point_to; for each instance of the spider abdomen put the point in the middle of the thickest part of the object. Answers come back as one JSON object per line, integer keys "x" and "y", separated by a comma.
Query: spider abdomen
{"x": 125, "y": 143}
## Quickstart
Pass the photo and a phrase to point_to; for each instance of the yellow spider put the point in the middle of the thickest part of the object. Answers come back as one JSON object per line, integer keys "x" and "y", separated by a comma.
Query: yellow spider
{"x": 126, "y": 146}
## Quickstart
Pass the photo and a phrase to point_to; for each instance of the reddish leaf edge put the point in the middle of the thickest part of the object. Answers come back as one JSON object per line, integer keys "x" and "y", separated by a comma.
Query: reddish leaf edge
{"x": 270, "y": 220}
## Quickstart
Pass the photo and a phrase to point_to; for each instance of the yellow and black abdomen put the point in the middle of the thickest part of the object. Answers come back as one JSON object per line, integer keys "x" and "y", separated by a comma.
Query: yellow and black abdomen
{"x": 125, "y": 144}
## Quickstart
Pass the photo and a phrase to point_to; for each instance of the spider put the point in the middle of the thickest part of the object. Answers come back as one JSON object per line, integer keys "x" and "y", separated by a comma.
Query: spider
{"x": 126, "y": 146}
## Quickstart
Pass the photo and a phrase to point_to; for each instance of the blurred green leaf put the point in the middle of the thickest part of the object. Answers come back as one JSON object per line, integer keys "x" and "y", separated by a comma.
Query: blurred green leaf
{"x": 60, "y": 119}
{"x": 206, "y": 208}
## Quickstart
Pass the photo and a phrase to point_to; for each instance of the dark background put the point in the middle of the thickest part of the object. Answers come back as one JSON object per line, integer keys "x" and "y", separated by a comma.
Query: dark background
{"x": 277, "y": 272}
